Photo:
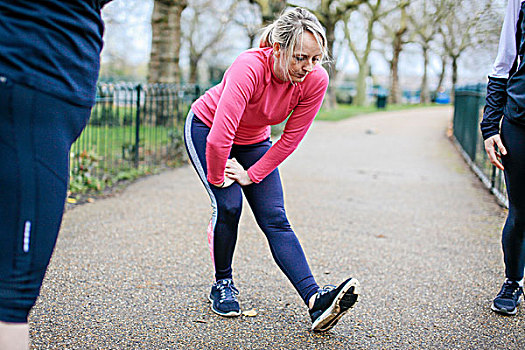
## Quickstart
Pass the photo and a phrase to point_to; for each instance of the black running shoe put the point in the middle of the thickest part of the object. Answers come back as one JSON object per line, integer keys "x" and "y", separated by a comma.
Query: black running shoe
{"x": 223, "y": 297}
{"x": 332, "y": 303}
{"x": 508, "y": 299}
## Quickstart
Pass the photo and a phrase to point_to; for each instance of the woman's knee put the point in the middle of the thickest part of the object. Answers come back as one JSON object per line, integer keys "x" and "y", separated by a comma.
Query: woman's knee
{"x": 515, "y": 223}
{"x": 229, "y": 210}
{"x": 274, "y": 220}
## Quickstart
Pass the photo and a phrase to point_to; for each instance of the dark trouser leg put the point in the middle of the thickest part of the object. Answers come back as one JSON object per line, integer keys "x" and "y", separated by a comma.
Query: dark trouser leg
{"x": 226, "y": 202}
{"x": 36, "y": 133}
{"x": 267, "y": 203}
{"x": 513, "y": 238}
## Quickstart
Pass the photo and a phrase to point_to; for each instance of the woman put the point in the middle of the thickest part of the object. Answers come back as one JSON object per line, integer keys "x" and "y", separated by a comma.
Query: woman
{"x": 506, "y": 100}
{"x": 227, "y": 131}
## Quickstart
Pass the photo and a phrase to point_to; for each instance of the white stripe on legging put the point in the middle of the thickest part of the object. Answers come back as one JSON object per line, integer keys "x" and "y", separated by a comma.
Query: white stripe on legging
{"x": 200, "y": 171}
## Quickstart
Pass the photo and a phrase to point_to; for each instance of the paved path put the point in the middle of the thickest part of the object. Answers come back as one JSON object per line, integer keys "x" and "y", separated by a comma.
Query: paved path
{"x": 383, "y": 197}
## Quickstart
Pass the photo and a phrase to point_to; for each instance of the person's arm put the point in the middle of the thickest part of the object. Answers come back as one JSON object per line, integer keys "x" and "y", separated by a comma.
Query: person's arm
{"x": 497, "y": 85}
{"x": 494, "y": 103}
{"x": 294, "y": 131}
{"x": 239, "y": 84}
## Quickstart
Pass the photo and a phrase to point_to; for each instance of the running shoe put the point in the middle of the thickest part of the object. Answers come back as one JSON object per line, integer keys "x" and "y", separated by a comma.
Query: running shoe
{"x": 223, "y": 297}
{"x": 508, "y": 299}
{"x": 331, "y": 303}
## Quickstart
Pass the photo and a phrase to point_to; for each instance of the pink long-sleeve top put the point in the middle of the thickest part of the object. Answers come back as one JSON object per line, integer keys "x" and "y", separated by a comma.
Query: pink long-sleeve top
{"x": 248, "y": 100}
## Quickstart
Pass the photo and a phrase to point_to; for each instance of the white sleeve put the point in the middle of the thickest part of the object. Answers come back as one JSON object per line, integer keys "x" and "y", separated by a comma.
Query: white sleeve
{"x": 507, "y": 42}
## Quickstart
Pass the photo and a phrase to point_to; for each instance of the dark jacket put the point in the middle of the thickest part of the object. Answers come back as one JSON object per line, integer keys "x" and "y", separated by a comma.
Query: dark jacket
{"x": 53, "y": 46}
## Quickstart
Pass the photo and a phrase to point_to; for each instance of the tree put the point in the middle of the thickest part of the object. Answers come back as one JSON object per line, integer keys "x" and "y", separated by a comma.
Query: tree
{"x": 163, "y": 65}
{"x": 371, "y": 13}
{"x": 200, "y": 35}
{"x": 269, "y": 9}
{"x": 396, "y": 28}
{"x": 124, "y": 58}
{"x": 249, "y": 18}
{"x": 330, "y": 13}
{"x": 426, "y": 17}
{"x": 439, "y": 86}
{"x": 465, "y": 26}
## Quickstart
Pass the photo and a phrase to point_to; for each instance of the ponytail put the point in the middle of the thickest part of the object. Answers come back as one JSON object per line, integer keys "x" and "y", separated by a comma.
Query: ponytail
{"x": 266, "y": 37}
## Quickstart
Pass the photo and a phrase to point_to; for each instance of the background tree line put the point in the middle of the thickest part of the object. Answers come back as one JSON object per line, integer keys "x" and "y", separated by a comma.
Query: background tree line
{"x": 195, "y": 40}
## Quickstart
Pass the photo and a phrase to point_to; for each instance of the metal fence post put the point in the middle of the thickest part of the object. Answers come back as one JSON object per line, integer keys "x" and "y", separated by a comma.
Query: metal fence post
{"x": 137, "y": 126}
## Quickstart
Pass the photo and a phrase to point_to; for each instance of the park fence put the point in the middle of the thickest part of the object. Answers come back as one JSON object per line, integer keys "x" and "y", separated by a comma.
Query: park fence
{"x": 133, "y": 128}
{"x": 468, "y": 110}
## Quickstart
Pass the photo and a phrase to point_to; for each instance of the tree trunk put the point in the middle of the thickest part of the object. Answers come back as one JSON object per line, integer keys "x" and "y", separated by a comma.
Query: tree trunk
{"x": 395, "y": 92}
{"x": 163, "y": 65}
{"x": 330, "y": 101}
{"x": 194, "y": 66}
{"x": 397, "y": 47}
{"x": 360, "y": 98}
{"x": 270, "y": 9}
{"x": 454, "y": 78}
{"x": 442, "y": 74}
{"x": 424, "y": 96}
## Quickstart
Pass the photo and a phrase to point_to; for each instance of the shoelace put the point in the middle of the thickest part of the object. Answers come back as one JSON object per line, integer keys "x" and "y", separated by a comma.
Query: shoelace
{"x": 228, "y": 291}
{"x": 509, "y": 289}
{"x": 326, "y": 289}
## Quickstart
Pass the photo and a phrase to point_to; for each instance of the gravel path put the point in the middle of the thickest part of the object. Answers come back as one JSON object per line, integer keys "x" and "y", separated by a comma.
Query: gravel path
{"x": 384, "y": 198}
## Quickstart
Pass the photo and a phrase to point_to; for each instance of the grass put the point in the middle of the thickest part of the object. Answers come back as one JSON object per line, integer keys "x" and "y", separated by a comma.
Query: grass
{"x": 112, "y": 141}
{"x": 343, "y": 111}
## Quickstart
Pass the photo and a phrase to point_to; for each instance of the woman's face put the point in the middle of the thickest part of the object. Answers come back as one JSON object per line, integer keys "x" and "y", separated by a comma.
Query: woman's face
{"x": 306, "y": 55}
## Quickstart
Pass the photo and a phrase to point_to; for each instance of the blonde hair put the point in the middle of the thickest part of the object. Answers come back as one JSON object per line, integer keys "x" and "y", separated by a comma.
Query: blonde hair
{"x": 287, "y": 30}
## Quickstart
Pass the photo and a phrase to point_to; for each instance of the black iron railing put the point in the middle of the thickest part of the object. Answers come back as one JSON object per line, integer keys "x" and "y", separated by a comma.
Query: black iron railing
{"x": 132, "y": 126}
{"x": 468, "y": 109}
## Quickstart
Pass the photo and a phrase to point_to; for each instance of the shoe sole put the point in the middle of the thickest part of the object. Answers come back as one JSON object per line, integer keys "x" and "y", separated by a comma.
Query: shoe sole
{"x": 346, "y": 298}
{"x": 505, "y": 311}
{"x": 227, "y": 314}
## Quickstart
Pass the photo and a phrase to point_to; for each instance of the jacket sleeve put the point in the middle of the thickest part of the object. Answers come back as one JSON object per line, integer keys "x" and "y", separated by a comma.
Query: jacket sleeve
{"x": 239, "y": 81}
{"x": 494, "y": 103}
{"x": 496, "y": 88}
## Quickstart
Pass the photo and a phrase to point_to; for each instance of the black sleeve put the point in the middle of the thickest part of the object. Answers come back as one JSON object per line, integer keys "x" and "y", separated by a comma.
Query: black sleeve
{"x": 103, "y": 2}
{"x": 494, "y": 103}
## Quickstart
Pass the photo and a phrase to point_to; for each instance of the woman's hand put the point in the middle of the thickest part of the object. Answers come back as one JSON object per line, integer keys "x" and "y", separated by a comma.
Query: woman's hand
{"x": 227, "y": 182}
{"x": 236, "y": 172}
{"x": 491, "y": 150}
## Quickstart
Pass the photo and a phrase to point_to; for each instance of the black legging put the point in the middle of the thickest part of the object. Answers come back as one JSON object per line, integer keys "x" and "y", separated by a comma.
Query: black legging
{"x": 36, "y": 133}
{"x": 513, "y": 238}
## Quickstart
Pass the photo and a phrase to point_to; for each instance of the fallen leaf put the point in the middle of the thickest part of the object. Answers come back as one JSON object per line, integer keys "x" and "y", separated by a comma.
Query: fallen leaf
{"x": 71, "y": 200}
{"x": 90, "y": 200}
{"x": 250, "y": 313}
